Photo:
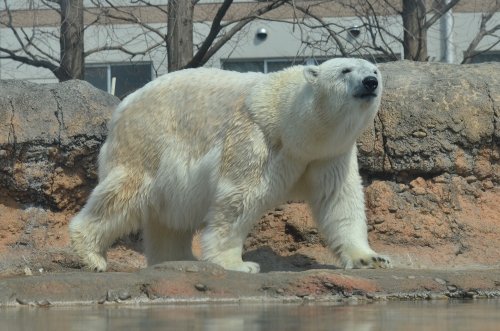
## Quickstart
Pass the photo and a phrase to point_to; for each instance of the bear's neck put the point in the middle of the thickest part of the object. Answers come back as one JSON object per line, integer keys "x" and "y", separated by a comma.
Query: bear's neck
{"x": 285, "y": 107}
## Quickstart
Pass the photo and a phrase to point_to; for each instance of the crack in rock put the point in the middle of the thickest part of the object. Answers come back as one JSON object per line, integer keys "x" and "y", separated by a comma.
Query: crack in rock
{"x": 59, "y": 116}
{"x": 386, "y": 155}
{"x": 495, "y": 117}
{"x": 12, "y": 129}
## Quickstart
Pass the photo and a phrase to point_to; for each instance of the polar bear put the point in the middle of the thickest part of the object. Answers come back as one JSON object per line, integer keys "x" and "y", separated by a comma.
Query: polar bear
{"x": 211, "y": 150}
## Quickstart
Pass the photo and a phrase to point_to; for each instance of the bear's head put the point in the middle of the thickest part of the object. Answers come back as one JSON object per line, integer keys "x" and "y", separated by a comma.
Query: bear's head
{"x": 346, "y": 81}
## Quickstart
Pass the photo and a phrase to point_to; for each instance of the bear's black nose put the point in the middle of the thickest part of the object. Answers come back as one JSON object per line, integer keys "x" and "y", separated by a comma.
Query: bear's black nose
{"x": 370, "y": 83}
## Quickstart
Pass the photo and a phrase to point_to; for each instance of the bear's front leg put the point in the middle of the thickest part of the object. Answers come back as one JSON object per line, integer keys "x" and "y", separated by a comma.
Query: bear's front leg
{"x": 337, "y": 202}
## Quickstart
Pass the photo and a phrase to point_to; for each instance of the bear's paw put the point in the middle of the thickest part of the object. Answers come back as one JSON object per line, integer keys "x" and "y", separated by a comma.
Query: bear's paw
{"x": 356, "y": 258}
{"x": 250, "y": 267}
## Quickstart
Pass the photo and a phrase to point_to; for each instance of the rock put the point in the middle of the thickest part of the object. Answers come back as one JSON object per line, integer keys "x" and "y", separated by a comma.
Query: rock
{"x": 459, "y": 126}
{"x": 22, "y": 301}
{"x": 124, "y": 295}
{"x": 193, "y": 268}
{"x": 27, "y": 271}
{"x": 201, "y": 287}
{"x": 43, "y": 303}
{"x": 440, "y": 281}
{"x": 49, "y": 137}
{"x": 452, "y": 171}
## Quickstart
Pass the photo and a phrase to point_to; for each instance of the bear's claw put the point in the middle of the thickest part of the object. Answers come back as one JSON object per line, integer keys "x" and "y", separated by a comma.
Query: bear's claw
{"x": 373, "y": 261}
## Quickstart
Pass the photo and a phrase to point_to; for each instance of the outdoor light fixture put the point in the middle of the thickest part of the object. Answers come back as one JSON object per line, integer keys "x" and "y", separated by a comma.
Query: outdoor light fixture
{"x": 354, "y": 31}
{"x": 261, "y": 34}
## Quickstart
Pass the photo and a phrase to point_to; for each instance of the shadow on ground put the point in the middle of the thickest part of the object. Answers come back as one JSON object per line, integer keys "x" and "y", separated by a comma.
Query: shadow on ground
{"x": 270, "y": 261}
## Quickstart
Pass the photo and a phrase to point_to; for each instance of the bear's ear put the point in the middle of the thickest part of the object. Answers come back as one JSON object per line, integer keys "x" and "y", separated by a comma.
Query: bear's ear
{"x": 311, "y": 73}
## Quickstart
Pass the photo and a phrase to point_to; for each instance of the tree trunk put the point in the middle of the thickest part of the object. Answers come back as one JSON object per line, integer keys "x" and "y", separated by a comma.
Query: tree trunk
{"x": 179, "y": 33}
{"x": 415, "y": 34}
{"x": 71, "y": 40}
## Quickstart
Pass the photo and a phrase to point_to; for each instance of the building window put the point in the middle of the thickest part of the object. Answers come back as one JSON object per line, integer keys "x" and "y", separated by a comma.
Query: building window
{"x": 490, "y": 56}
{"x": 128, "y": 77}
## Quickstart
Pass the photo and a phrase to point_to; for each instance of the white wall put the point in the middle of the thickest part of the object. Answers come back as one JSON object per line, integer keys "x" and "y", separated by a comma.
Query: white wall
{"x": 284, "y": 40}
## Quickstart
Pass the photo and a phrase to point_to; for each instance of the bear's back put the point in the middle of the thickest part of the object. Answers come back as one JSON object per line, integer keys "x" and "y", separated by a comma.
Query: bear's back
{"x": 201, "y": 92}
{"x": 191, "y": 107}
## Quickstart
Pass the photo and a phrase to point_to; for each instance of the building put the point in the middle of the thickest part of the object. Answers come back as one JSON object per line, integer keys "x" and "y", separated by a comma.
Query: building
{"x": 282, "y": 38}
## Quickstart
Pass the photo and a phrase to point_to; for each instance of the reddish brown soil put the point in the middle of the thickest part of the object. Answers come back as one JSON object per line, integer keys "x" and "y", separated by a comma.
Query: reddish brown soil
{"x": 434, "y": 223}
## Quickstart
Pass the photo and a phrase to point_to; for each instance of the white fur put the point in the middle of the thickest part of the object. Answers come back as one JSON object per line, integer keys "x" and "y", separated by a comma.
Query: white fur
{"x": 211, "y": 150}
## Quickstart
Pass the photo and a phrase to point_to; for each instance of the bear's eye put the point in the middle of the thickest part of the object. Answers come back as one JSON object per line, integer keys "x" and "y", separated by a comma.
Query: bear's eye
{"x": 375, "y": 72}
{"x": 346, "y": 71}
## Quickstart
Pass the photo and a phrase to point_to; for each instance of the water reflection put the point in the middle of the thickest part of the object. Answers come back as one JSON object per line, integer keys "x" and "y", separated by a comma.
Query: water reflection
{"x": 407, "y": 316}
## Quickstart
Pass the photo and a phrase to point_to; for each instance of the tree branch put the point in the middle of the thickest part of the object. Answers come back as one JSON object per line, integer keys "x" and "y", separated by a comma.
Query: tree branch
{"x": 438, "y": 13}
{"x": 470, "y": 51}
{"x": 209, "y": 47}
{"x": 129, "y": 17}
{"x": 29, "y": 58}
{"x": 212, "y": 34}
{"x": 121, "y": 49}
{"x": 40, "y": 63}
{"x": 332, "y": 34}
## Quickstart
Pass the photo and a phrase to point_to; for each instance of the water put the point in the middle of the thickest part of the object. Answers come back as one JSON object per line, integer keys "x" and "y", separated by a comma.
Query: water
{"x": 406, "y": 316}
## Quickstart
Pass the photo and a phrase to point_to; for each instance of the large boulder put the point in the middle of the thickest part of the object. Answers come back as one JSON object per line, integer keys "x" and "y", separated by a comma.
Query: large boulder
{"x": 435, "y": 118}
{"x": 431, "y": 164}
{"x": 49, "y": 139}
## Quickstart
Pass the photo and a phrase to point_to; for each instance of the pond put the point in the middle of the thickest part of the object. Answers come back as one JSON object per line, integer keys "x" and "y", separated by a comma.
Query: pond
{"x": 406, "y": 316}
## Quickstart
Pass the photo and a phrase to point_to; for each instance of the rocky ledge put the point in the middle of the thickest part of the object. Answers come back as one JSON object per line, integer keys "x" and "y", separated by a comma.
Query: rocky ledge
{"x": 199, "y": 282}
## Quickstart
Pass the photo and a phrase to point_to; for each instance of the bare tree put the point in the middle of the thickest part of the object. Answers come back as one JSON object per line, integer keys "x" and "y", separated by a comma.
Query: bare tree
{"x": 31, "y": 48}
{"x": 471, "y": 51}
{"x": 375, "y": 16}
{"x": 179, "y": 33}
{"x": 416, "y": 23}
{"x": 415, "y": 33}
{"x": 178, "y": 38}
{"x": 72, "y": 63}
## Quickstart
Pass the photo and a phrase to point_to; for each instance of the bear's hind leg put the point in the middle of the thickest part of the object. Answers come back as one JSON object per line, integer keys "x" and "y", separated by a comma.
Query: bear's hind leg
{"x": 111, "y": 211}
{"x": 223, "y": 237}
{"x": 164, "y": 244}
{"x": 225, "y": 250}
